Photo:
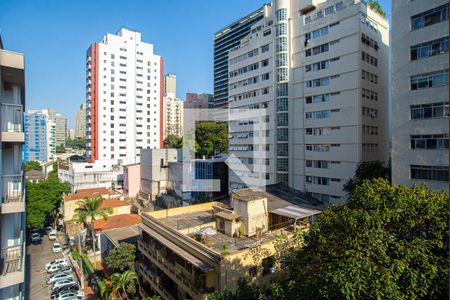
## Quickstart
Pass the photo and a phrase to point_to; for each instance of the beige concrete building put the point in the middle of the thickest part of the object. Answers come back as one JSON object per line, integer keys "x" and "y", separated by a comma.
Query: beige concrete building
{"x": 12, "y": 216}
{"x": 420, "y": 93}
{"x": 308, "y": 96}
{"x": 188, "y": 252}
{"x": 173, "y": 108}
{"x": 80, "y": 121}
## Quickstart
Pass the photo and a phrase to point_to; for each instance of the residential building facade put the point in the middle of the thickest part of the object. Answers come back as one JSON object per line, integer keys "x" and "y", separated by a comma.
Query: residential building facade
{"x": 194, "y": 100}
{"x": 420, "y": 96}
{"x": 224, "y": 40}
{"x": 80, "y": 121}
{"x": 172, "y": 108}
{"x": 124, "y": 84}
{"x": 40, "y": 136}
{"x": 60, "y": 127}
{"x": 311, "y": 81}
{"x": 12, "y": 138}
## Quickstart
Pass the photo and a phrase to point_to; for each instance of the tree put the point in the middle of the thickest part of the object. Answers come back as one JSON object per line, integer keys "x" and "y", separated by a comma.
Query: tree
{"x": 366, "y": 170}
{"x": 42, "y": 199}
{"x": 124, "y": 283}
{"x": 54, "y": 172}
{"x": 387, "y": 242}
{"x": 32, "y": 165}
{"x": 173, "y": 141}
{"x": 376, "y": 6}
{"x": 210, "y": 137}
{"x": 122, "y": 257}
{"x": 60, "y": 149}
{"x": 79, "y": 143}
{"x": 88, "y": 210}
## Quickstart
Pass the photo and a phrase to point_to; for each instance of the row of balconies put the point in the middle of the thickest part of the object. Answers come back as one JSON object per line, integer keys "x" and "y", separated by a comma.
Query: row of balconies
{"x": 11, "y": 123}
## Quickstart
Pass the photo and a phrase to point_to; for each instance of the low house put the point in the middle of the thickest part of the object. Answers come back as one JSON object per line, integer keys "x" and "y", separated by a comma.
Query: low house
{"x": 34, "y": 176}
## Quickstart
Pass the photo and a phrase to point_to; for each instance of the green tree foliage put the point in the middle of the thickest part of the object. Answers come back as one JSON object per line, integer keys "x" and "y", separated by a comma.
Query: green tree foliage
{"x": 32, "y": 165}
{"x": 173, "y": 141}
{"x": 122, "y": 258}
{"x": 60, "y": 149}
{"x": 42, "y": 199}
{"x": 54, "y": 173}
{"x": 124, "y": 284}
{"x": 210, "y": 137}
{"x": 78, "y": 143}
{"x": 366, "y": 170}
{"x": 388, "y": 242}
{"x": 243, "y": 291}
{"x": 376, "y": 6}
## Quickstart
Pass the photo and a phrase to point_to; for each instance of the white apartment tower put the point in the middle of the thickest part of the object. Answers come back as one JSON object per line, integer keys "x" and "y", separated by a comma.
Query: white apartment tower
{"x": 40, "y": 136}
{"x": 172, "y": 108}
{"x": 316, "y": 72}
{"x": 124, "y": 83}
{"x": 420, "y": 110}
{"x": 60, "y": 127}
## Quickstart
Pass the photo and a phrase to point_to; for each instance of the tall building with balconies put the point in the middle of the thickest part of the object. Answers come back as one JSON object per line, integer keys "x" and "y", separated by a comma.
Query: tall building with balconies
{"x": 172, "y": 108}
{"x": 124, "y": 91}
{"x": 12, "y": 216}
{"x": 420, "y": 108}
{"x": 311, "y": 79}
{"x": 224, "y": 40}
{"x": 40, "y": 136}
{"x": 60, "y": 127}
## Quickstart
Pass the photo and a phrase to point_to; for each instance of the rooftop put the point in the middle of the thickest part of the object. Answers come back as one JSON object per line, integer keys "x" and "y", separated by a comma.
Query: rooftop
{"x": 88, "y": 193}
{"x": 117, "y": 221}
{"x": 34, "y": 175}
{"x": 111, "y": 203}
{"x": 122, "y": 234}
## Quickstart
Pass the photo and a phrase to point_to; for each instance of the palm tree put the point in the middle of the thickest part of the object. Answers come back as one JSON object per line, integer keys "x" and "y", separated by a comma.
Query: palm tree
{"x": 123, "y": 281}
{"x": 88, "y": 210}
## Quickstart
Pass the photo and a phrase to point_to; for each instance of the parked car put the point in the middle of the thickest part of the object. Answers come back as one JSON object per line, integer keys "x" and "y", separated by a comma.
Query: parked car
{"x": 71, "y": 295}
{"x": 52, "y": 235}
{"x": 64, "y": 289}
{"x": 48, "y": 229}
{"x": 63, "y": 282}
{"x": 35, "y": 238}
{"x": 58, "y": 277}
{"x": 56, "y": 261}
{"x": 56, "y": 248}
{"x": 57, "y": 267}
{"x": 64, "y": 270}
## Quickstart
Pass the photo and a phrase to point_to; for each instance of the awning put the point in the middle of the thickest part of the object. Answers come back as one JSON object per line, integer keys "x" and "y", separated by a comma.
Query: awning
{"x": 205, "y": 267}
{"x": 295, "y": 212}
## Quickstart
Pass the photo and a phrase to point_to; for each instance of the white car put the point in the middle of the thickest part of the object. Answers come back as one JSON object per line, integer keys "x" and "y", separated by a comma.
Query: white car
{"x": 56, "y": 248}
{"x": 58, "y": 277}
{"x": 63, "y": 282}
{"x": 56, "y": 261}
{"x": 71, "y": 295}
{"x": 52, "y": 235}
{"x": 57, "y": 267}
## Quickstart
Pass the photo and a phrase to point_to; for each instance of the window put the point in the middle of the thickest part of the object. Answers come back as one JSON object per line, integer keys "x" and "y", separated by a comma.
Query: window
{"x": 282, "y": 164}
{"x": 430, "y": 48}
{"x": 282, "y": 149}
{"x": 267, "y": 32}
{"x": 268, "y": 265}
{"x": 281, "y": 29}
{"x": 281, "y": 44}
{"x": 281, "y": 14}
{"x": 430, "y": 141}
{"x": 282, "y": 119}
{"x": 281, "y": 59}
{"x": 282, "y": 74}
{"x": 282, "y": 134}
{"x": 264, "y": 48}
{"x": 318, "y": 82}
{"x": 317, "y": 98}
{"x": 429, "y": 80}
{"x": 369, "y": 59}
{"x": 435, "y": 173}
{"x": 329, "y": 10}
{"x": 339, "y": 6}
{"x": 430, "y": 17}
{"x": 282, "y": 104}
{"x": 282, "y": 89}
{"x": 427, "y": 111}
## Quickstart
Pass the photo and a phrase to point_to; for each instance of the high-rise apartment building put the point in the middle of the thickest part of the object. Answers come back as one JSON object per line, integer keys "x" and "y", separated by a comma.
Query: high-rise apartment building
{"x": 12, "y": 216}
{"x": 40, "y": 136}
{"x": 124, "y": 82}
{"x": 172, "y": 108}
{"x": 80, "y": 121}
{"x": 224, "y": 40}
{"x": 308, "y": 96}
{"x": 194, "y": 100}
{"x": 420, "y": 93}
{"x": 60, "y": 127}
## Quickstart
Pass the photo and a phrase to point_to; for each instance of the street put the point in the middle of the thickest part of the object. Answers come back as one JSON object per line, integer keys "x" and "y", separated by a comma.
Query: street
{"x": 37, "y": 256}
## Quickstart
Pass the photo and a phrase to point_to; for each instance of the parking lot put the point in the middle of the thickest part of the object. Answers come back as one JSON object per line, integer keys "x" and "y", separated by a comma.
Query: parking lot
{"x": 37, "y": 256}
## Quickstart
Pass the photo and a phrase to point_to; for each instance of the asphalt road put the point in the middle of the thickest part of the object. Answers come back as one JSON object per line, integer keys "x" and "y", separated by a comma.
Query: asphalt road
{"x": 37, "y": 256}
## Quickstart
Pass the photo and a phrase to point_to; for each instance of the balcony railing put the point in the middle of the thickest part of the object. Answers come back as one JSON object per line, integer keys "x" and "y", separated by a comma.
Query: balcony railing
{"x": 11, "y": 259}
{"x": 11, "y": 117}
{"x": 12, "y": 188}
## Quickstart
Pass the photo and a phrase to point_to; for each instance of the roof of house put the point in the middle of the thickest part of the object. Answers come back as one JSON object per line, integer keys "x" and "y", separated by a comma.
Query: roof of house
{"x": 111, "y": 203}
{"x": 119, "y": 235}
{"x": 34, "y": 175}
{"x": 117, "y": 221}
{"x": 87, "y": 193}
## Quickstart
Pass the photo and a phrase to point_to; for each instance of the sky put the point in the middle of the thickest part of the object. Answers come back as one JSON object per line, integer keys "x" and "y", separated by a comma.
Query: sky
{"x": 54, "y": 36}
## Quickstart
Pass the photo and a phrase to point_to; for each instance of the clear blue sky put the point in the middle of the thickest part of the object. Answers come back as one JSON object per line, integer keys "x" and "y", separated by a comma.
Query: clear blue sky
{"x": 54, "y": 36}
